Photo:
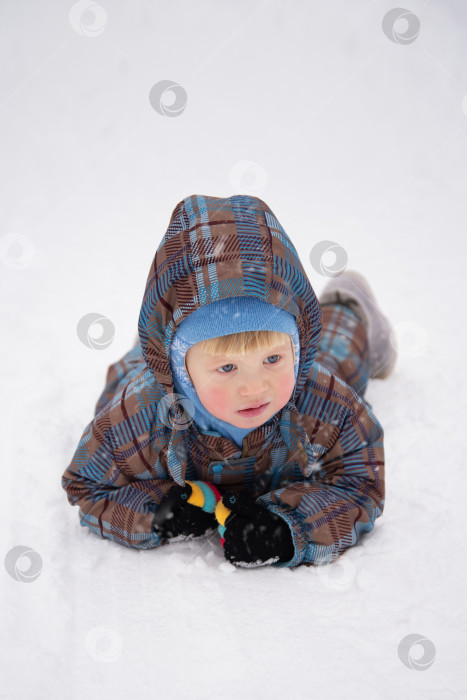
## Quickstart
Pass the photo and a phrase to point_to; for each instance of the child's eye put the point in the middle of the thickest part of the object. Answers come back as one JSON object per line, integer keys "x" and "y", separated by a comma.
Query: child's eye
{"x": 220, "y": 368}
{"x": 278, "y": 358}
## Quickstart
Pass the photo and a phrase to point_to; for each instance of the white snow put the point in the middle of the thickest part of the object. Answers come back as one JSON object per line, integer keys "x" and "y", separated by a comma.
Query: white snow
{"x": 349, "y": 137}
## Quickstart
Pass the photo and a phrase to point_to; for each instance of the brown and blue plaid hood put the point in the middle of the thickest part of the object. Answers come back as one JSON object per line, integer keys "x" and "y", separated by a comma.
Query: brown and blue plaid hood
{"x": 217, "y": 248}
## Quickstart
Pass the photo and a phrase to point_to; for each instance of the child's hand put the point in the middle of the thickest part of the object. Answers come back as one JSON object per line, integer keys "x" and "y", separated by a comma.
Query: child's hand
{"x": 251, "y": 533}
{"x": 186, "y": 510}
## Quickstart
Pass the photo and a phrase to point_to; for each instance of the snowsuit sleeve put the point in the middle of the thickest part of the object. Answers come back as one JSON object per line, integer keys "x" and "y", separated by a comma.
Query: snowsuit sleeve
{"x": 116, "y": 476}
{"x": 343, "y": 496}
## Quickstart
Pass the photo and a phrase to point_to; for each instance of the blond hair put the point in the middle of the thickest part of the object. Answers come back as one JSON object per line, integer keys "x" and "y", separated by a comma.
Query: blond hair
{"x": 245, "y": 342}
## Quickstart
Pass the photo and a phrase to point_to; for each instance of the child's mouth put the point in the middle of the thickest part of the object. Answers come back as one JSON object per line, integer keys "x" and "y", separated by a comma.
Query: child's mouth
{"x": 251, "y": 412}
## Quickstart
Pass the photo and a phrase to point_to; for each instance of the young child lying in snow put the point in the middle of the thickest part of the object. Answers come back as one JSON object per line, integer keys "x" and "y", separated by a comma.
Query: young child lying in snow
{"x": 243, "y": 385}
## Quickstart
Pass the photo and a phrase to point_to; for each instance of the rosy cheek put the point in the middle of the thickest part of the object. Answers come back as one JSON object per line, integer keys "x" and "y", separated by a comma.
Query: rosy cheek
{"x": 215, "y": 399}
{"x": 286, "y": 387}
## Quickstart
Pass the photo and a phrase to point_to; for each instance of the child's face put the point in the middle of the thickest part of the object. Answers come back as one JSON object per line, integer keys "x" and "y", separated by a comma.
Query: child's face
{"x": 227, "y": 384}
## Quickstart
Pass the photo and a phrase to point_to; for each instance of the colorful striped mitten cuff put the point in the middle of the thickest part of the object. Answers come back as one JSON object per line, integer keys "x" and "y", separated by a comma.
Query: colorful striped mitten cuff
{"x": 221, "y": 513}
{"x": 206, "y": 496}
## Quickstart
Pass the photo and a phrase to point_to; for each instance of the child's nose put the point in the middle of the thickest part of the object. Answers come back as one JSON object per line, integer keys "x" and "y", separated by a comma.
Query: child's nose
{"x": 253, "y": 382}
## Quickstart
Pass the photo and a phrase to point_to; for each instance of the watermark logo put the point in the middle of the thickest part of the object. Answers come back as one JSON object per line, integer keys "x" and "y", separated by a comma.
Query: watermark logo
{"x": 176, "y": 411}
{"x": 413, "y": 661}
{"x": 409, "y": 339}
{"x": 168, "y": 98}
{"x": 16, "y": 251}
{"x": 104, "y": 644}
{"x": 328, "y": 258}
{"x": 87, "y": 18}
{"x": 87, "y": 326}
{"x": 401, "y": 26}
{"x": 338, "y": 577}
{"x": 14, "y": 564}
{"x": 248, "y": 177}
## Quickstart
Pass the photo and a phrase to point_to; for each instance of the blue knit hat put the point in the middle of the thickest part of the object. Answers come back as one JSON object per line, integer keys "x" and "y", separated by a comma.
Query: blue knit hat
{"x": 223, "y": 317}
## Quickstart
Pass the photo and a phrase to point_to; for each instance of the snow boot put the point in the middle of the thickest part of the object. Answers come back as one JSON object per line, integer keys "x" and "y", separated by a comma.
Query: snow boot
{"x": 352, "y": 289}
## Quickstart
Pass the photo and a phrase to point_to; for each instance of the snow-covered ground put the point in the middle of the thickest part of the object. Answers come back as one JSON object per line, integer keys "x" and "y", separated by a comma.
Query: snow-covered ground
{"x": 349, "y": 136}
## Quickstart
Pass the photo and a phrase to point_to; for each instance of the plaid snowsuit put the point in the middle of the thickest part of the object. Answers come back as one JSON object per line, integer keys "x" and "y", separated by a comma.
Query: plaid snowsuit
{"x": 318, "y": 463}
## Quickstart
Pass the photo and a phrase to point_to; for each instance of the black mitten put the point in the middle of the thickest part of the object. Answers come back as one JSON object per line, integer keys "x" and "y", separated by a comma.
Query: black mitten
{"x": 175, "y": 516}
{"x": 253, "y": 534}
